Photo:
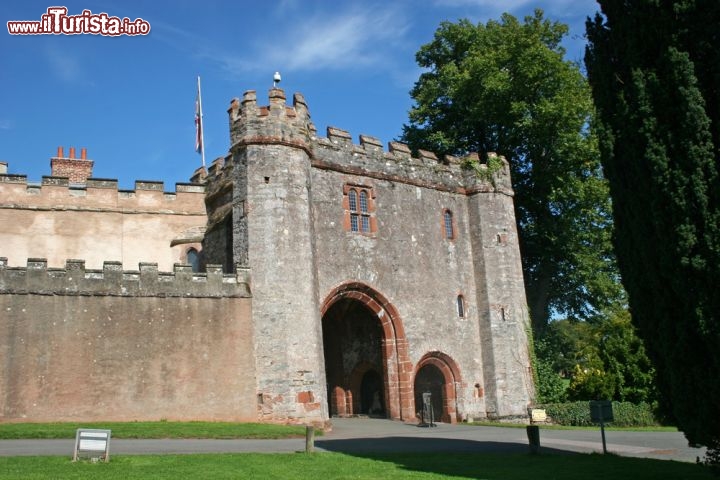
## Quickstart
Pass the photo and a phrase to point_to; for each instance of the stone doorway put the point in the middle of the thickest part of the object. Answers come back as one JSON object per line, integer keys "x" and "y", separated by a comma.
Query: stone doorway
{"x": 367, "y": 369}
{"x": 438, "y": 374}
{"x": 430, "y": 379}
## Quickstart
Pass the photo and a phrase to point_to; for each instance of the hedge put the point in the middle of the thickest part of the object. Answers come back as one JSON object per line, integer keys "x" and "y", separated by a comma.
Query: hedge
{"x": 626, "y": 414}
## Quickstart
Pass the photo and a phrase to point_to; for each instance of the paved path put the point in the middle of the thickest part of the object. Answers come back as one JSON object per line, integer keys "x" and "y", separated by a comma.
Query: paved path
{"x": 357, "y": 435}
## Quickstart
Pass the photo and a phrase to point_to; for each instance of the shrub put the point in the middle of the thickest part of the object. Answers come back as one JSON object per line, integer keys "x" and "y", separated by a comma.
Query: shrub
{"x": 625, "y": 414}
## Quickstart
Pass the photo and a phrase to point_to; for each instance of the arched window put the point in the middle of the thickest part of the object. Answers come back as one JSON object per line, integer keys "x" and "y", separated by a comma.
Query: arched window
{"x": 352, "y": 199}
{"x": 461, "y": 306}
{"x": 364, "y": 217}
{"x": 193, "y": 258}
{"x": 448, "y": 225}
{"x": 363, "y": 201}
{"x": 359, "y": 209}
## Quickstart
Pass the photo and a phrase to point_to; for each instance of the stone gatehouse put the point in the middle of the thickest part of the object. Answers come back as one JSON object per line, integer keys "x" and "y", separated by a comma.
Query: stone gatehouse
{"x": 350, "y": 281}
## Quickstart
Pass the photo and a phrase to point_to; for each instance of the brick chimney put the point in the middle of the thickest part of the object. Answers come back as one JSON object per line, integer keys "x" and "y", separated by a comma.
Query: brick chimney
{"x": 77, "y": 170}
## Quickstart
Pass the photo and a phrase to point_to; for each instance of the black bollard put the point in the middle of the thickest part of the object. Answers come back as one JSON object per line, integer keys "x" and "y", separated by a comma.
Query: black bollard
{"x": 533, "y": 433}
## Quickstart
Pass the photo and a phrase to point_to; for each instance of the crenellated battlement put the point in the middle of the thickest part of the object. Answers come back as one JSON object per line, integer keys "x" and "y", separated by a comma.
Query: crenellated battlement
{"x": 275, "y": 123}
{"x": 278, "y": 123}
{"x": 36, "y": 278}
{"x": 368, "y": 158}
{"x": 98, "y": 194}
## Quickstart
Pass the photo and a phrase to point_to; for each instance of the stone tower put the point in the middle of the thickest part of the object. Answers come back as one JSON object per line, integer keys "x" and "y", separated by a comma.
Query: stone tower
{"x": 500, "y": 297}
{"x": 262, "y": 218}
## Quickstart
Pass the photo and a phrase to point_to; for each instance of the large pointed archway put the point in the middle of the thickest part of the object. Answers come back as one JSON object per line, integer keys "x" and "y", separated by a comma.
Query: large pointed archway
{"x": 366, "y": 354}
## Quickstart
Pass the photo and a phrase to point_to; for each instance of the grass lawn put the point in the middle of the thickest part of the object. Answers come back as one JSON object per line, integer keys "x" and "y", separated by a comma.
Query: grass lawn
{"x": 153, "y": 430}
{"x": 341, "y": 466}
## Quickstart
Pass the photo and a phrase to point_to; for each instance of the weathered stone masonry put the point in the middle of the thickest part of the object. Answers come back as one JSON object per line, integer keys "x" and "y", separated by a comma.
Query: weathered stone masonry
{"x": 280, "y": 200}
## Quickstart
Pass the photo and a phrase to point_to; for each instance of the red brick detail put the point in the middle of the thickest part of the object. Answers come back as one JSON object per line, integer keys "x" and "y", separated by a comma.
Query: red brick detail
{"x": 305, "y": 397}
{"x": 338, "y": 402}
{"x": 349, "y": 402}
{"x": 451, "y": 373}
{"x": 76, "y": 170}
{"x": 397, "y": 367}
{"x": 356, "y": 383}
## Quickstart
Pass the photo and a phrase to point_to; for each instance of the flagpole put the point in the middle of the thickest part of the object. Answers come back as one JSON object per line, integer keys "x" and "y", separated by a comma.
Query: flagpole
{"x": 202, "y": 130}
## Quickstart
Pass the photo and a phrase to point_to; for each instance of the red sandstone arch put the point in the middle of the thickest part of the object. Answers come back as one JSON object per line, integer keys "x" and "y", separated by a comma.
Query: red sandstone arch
{"x": 399, "y": 400}
{"x": 451, "y": 373}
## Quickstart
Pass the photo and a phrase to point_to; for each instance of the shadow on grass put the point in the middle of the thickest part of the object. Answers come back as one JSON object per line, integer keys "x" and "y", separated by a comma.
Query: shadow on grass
{"x": 425, "y": 445}
{"x": 507, "y": 461}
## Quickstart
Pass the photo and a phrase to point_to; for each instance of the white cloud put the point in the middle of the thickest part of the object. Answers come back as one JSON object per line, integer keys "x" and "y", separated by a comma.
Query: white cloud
{"x": 552, "y": 8}
{"x": 349, "y": 40}
{"x": 6, "y": 124}
{"x": 327, "y": 41}
{"x": 66, "y": 66}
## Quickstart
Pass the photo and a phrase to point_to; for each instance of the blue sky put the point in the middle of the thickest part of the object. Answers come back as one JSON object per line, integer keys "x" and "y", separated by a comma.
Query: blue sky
{"x": 130, "y": 100}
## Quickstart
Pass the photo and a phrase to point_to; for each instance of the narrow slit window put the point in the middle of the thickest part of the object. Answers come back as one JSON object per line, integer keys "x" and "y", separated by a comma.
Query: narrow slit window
{"x": 461, "y": 306}
{"x": 448, "y": 224}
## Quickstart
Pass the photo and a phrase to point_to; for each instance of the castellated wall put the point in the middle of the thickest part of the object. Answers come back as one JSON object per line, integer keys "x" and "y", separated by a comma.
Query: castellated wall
{"x": 114, "y": 345}
{"x": 98, "y": 222}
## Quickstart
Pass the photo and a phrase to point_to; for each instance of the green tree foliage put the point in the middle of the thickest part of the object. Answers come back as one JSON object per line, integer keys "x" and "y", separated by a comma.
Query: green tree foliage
{"x": 603, "y": 358}
{"x": 550, "y": 385}
{"x": 625, "y": 359}
{"x": 654, "y": 66}
{"x": 504, "y": 87}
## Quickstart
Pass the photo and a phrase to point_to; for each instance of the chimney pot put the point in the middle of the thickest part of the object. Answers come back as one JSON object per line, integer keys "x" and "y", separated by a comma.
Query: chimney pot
{"x": 83, "y": 153}
{"x": 60, "y": 152}
{"x": 72, "y": 152}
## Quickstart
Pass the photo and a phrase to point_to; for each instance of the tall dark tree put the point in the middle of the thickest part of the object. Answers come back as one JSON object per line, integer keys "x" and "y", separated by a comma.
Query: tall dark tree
{"x": 654, "y": 67}
{"x": 504, "y": 87}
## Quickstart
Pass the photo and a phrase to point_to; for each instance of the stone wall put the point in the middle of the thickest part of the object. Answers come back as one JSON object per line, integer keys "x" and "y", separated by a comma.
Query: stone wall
{"x": 114, "y": 345}
{"x": 98, "y": 222}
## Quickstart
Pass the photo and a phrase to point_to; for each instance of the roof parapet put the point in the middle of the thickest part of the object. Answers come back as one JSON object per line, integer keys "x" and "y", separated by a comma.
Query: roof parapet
{"x": 112, "y": 280}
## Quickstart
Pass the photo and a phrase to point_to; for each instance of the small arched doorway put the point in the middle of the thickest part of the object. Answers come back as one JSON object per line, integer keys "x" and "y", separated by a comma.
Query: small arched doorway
{"x": 367, "y": 368}
{"x": 429, "y": 379}
{"x": 438, "y": 374}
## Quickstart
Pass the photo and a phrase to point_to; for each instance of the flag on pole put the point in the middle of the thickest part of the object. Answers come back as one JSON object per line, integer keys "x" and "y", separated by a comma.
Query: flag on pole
{"x": 198, "y": 126}
{"x": 199, "y": 143}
